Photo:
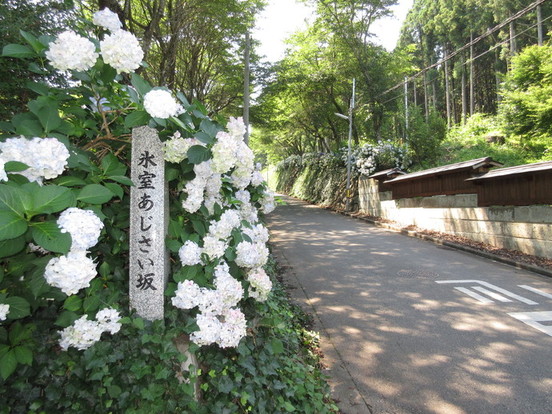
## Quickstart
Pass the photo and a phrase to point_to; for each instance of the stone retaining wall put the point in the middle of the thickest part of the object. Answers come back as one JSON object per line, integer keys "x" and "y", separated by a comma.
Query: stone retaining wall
{"x": 524, "y": 228}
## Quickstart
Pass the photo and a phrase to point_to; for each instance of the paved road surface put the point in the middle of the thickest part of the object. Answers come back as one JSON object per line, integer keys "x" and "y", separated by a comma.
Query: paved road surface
{"x": 411, "y": 327}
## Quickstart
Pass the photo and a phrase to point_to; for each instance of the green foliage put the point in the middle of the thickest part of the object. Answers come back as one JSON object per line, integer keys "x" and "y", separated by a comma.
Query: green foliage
{"x": 481, "y": 136}
{"x": 140, "y": 368}
{"x": 424, "y": 137}
{"x": 527, "y": 104}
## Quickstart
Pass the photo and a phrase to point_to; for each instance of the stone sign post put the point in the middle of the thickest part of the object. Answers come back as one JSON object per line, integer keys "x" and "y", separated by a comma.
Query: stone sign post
{"x": 148, "y": 225}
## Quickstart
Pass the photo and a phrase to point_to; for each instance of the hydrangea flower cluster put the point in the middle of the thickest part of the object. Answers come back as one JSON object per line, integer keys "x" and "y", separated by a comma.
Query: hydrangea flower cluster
{"x": 72, "y": 52}
{"x": 4, "y": 310}
{"x": 159, "y": 103}
{"x": 46, "y": 157}
{"x": 176, "y": 148}
{"x": 107, "y": 19}
{"x": 85, "y": 333}
{"x": 219, "y": 321}
{"x": 120, "y": 49}
{"x": 83, "y": 226}
{"x": 74, "y": 271}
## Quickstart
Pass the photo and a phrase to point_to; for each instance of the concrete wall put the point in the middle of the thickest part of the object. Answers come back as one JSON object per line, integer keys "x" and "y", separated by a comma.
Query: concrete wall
{"x": 524, "y": 228}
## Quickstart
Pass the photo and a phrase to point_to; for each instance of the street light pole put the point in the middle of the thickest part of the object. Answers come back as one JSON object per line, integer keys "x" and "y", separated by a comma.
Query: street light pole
{"x": 350, "y": 118}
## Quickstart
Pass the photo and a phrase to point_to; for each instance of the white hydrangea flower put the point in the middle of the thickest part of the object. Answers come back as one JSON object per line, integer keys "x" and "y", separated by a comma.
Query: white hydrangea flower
{"x": 84, "y": 226}
{"x": 258, "y": 233}
{"x": 72, "y": 52}
{"x": 251, "y": 255}
{"x": 244, "y": 196}
{"x": 82, "y": 334}
{"x": 222, "y": 229}
{"x": 108, "y": 319}
{"x": 224, "y": 152}
{"x": 159, "y": 103}
{"x": 267, "y": 203}
{"x": 194, "y": 189}
{"x": 122, "y": 51}
{"x": 230, "y": 290}
{"x": 107, "y": 19}
{"x": 71, "y": 272}
{"x": 233, "y": 329}
{"x": 188, "y": 295}
{"x": 245, "y": 164}
{"x": 203, "y": 170}
{"x": 257, "y": 178}
{"x": 190, "y": 253}
{"x": 236, "y": 127}
{"x": 209, "y": 330}
{"x": 3, "y": 175}
{"x": 46, "y": 157}
{"x": 176, "y": 149}
{"x": 260, "y": 284}
{"x": 213, "y": 247}
{"x": 4, "y": 310}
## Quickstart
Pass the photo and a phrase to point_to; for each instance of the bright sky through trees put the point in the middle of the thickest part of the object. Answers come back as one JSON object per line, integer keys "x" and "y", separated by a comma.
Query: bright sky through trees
{"x": 283, "y": 17}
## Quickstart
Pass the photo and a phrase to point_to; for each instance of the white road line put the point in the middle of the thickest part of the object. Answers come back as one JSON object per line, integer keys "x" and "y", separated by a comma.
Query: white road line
{"x": 533, "y": 318}
{"x": 493, "y": 287}
{"x": 474, "y": 295}
{"x": 537, "y": 291}
{"x": 493, "y": 295}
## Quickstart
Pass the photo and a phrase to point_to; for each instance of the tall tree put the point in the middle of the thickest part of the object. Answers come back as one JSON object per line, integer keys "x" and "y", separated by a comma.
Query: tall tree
{"x": 42, "y": 16}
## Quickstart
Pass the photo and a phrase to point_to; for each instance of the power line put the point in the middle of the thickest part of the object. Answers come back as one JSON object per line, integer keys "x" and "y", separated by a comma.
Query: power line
{"x": 467, "y": 45}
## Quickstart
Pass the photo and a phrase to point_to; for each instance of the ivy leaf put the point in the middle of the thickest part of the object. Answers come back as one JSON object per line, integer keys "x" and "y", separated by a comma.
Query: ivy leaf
{"x": 17, "y": 51}
{"x": 23, "y": 355}
{"x": 198, "y": 154}
{"x": 12, "y": 246}
{"x": 8, "y": 363}
{"x": 19, "y": 307}
{"x": 48, "y": 235}
{"x": 277, "y": 346}
{"x": 95, "y": 194}
{"x": 52, "y": 198}
{"x": 12, "y": 225}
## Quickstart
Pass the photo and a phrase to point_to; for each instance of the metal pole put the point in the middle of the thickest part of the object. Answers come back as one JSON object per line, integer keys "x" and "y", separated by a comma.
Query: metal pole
{"x": 246, "y": 90}
{"x": 539, "y": 24}
{"x": 351, "y": 107}
{"x": 405, "y": 107}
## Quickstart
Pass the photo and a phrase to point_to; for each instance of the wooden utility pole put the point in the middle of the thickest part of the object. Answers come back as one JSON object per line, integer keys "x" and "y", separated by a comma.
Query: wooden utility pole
{"x": 513, "y": 50}
{"x": 472, "y": 75}
{"x": 539, "y": 24}
{"x": 246, "y": 89}
{"x": 405, "y": 108}
{"x": 447, "y": 88}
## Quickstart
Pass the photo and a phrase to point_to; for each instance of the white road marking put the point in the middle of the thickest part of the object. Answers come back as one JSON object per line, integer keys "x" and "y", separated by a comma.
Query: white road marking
{"x": 474, "y": 295}
{"x": 493, "y": 295}
{"x": 533, "y": 319}
{"x": 537, "y": 291}
{"x": 493, "y": 287}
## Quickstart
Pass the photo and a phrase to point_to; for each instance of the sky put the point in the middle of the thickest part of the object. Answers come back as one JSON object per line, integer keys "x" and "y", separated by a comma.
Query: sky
{"x": 283, "y": 17}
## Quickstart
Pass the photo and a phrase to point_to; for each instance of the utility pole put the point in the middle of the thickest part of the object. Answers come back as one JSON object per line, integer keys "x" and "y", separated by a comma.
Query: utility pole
{"x": 539, "y": 24}
{"x": 350, "y": 119}
{"x": 246, "y": 89}
{"x": 405, "y": 107}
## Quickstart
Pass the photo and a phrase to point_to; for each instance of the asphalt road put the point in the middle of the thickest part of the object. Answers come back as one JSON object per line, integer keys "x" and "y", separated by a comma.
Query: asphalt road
{"x": 408, "y": 326}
